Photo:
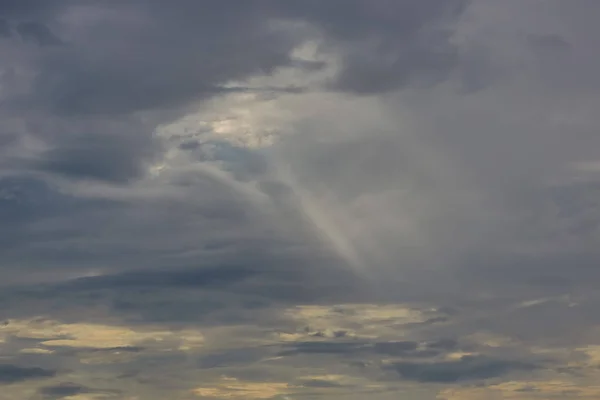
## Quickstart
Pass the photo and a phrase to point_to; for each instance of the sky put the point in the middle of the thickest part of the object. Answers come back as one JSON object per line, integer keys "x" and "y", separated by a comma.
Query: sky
{"x": 285, "y": 199}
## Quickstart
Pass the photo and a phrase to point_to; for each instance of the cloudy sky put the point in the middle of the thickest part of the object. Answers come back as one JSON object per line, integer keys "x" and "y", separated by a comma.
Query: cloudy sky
{"x": 299, "y": 199}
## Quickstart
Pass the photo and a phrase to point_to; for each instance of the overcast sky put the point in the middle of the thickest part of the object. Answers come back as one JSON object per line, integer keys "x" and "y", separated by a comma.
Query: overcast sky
{"x": 299, "y": 199}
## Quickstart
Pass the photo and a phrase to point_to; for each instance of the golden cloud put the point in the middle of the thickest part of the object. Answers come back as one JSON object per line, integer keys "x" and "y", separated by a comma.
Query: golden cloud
{"x": 518, "y": 390}
{"x": 36, "y": 350}
{"x": 231, "y": 388}
{"x": 53, "y": 333}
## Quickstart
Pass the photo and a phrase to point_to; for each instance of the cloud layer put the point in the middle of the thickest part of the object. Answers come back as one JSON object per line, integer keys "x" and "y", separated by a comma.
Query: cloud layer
{"x": 288, "y": 199}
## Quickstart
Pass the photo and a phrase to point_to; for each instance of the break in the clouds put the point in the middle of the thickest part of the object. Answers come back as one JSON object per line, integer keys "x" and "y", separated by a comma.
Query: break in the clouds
{"x": 288, "y": 199}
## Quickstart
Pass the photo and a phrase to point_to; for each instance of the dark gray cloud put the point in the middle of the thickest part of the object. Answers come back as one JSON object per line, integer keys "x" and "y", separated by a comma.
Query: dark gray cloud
{"x": 233, "y": 357}
{"x": 175, "y": 55}
{"x": 105, "y": 157}
{"x": 5, "y": 30}
{"x": 215, "y": 43}
{"x": 38, "y": 33}
{"x": 316, "y": 383}
{"x": 26, "y": 198}
{"x": 214, "y": 276}
{"x": 63, "y": 390}
{"x": 396, "y": 348}
{"x": 26, "y": 8}
{"x": 12, "y": 373}
{"x": 466, "y": 369}
{"x": 386, "y": 44}
{"x": 94, "y": 74}
{"x": 444, "y": 344}
{"x": 326, "y": 347}
{"x": 28, "y": 203}
{"x": 69, "y": 389}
